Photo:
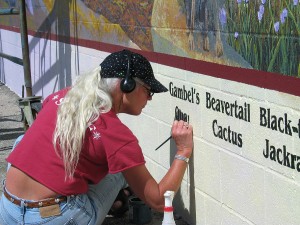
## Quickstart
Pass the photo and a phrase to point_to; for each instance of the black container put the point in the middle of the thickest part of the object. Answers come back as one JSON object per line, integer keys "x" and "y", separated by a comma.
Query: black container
{"x": 139, "y": 212}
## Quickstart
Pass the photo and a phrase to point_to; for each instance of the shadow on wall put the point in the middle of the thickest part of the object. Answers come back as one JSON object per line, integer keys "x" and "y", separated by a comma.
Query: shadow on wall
{"x": 190, "y": 212}
{"x": 2, "y": 72}
{"x": 58, "y": 23}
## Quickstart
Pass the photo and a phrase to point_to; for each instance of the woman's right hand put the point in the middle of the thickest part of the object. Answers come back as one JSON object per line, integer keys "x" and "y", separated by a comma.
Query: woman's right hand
{"x": 182, "y": 133}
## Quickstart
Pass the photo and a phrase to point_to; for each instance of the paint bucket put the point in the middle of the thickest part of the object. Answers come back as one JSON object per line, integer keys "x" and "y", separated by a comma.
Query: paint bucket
{"x": 139, "y": 212}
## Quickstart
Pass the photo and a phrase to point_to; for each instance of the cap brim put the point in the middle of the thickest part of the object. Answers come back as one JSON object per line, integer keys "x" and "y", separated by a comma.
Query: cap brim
{"x": 155, "y": 86}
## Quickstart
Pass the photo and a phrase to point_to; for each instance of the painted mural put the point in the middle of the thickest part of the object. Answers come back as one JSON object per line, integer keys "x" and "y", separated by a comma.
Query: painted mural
{"x": 257, "y": 34}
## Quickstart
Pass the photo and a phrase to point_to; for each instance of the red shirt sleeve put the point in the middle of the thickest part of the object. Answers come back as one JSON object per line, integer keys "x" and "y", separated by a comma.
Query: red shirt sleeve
{"x": 120, "y": 145}
{"x": 126, "y": 157}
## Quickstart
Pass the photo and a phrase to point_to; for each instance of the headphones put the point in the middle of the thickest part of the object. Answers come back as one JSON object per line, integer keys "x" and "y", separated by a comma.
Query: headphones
{"x": 128, "y": 84}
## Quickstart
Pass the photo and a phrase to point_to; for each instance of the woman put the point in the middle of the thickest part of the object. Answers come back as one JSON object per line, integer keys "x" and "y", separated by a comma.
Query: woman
{"x": 76, "y": 157}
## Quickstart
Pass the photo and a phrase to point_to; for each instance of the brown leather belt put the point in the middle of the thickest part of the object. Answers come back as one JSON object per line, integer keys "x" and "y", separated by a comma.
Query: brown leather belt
{"x": 35, "y": 204}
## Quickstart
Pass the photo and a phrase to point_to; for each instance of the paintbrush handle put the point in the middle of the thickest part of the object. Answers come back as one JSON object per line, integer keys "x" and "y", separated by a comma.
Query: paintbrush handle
{"x": 164, "y": 142}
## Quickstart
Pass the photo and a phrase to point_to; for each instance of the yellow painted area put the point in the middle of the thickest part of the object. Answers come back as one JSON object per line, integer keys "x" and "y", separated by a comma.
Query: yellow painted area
{"x": 48, "y": 4}
{"x": 84, "y": 18}
{"x": 167, "y": 14}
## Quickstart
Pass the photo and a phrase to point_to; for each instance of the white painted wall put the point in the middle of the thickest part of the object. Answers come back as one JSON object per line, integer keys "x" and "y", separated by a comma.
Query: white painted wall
{"x": 225, "y": 184}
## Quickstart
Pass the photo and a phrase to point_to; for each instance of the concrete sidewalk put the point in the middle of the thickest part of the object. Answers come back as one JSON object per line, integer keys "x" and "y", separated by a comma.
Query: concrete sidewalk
{"x": 11, "y": 126}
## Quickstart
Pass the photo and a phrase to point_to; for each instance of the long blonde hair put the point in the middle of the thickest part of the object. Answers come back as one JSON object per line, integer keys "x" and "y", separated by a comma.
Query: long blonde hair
{"x": 85, "y": 101}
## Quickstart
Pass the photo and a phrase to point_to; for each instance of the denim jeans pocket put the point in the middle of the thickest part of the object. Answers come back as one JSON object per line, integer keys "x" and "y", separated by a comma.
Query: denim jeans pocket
{"x": 78, "y": 210}
{"x": 75, "y": 211}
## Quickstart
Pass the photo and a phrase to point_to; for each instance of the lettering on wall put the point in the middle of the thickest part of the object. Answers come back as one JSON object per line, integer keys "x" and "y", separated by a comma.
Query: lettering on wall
{"x": 189, "y": 95}
{"x": 227, "y": 134}
{"x": 281, "y": 156}
{"x": 281, "y": 123}
{"x": 182, "y": 93}
{"x": 180, "y": 115}
{"x": 231, "y": 109}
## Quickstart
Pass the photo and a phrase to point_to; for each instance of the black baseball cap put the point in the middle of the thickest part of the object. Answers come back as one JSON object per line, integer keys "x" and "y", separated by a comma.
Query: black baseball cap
{"x": 116, "y": 64}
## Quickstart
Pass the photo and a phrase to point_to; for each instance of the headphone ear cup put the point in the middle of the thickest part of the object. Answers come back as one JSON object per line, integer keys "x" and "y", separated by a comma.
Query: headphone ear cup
{"x": 127, "y": 84}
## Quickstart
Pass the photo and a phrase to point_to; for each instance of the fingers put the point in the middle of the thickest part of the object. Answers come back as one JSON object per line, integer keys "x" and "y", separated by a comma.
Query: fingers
{"x": 178, "y": 125}
{"x": 182, "y": 133}
{"x": 185, "y": 124}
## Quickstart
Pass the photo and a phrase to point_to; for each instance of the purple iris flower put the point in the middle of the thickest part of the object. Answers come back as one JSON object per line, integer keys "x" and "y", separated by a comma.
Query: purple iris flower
{"x": 222, "y": 16}
{"x": 296, "y": 2}
{"x": 259, "y": 16}
{"x": 261, "y": 12}
{"x": 262, "y": 9}
{"x": 263, "y": 2}
{"x": 276, "y": 26}
{"x": 236, "y": 35}
{"x": 285, "y": 12}
{"x": 283, "y": 15}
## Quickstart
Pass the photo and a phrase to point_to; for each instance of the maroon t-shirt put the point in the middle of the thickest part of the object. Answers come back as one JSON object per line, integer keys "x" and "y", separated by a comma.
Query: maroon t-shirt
{"x": 109, "y": 147}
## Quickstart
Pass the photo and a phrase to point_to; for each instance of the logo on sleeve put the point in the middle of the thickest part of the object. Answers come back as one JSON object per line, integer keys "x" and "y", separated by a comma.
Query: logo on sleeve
{"x": 96, "y": 134}
{"x": 58, "y": 101}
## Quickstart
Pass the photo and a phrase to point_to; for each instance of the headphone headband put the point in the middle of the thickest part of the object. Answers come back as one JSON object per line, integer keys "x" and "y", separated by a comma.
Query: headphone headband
{"x": 128, "y": 83}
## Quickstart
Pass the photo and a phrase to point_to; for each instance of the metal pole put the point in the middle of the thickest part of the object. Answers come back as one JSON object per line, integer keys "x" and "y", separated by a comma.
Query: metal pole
{"x": 12, "y": 58}
{"x": 9, "y": 11}
{"x": 25, "y": 49}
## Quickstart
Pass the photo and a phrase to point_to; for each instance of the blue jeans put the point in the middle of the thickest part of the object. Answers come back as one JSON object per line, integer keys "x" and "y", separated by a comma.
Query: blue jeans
{"x": 15, "y": 144}
{"x": 85, "y": 209}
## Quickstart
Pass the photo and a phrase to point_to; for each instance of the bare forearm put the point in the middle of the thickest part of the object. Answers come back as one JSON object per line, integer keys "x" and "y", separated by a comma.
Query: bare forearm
{"x": 143, "y": 183}
{"x": 173, "y": 178}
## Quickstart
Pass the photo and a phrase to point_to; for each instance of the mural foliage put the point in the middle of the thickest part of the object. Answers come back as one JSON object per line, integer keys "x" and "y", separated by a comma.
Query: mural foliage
{"x": 266, "y": 33}
{"x": 257, "y": 34}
